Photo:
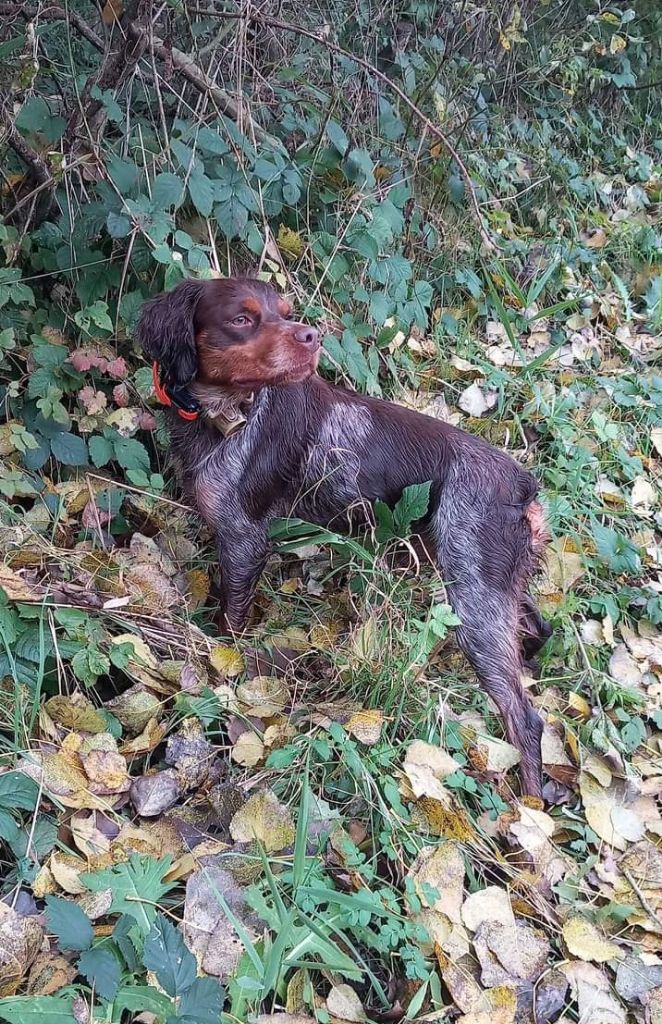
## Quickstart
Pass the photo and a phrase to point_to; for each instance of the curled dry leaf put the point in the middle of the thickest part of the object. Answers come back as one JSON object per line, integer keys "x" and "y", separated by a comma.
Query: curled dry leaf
{"x": 563, "y": 567}
{"x": 533, "y": 833}
{"x": 265, "y": 820}
{"x": 190, "y": 753}
{"x": 425, "y": 767}
{"x": 20, "y": 939}
{"x": 343, "y": 1002}
{"x": 49, "y": 974}
{"x": 643, "y": 497}
{"x": 476, "y": 401}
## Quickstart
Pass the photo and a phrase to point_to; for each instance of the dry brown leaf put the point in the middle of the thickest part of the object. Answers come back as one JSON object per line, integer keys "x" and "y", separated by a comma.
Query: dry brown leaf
{"x": 585, "y": 941}
{"x": 135, "y": 708}
{"x": 607, "y": 813}
{"x": 66, "y": 869}
{"x": 49, "y": 974}
{"x": 425, "y": 767}
{"x": 510, "y": 954}
{"x": 592, "y": 991}
{"x": 20, "y": 939}
{"x": 533, "y": 832}
{"x": 248, "y": 750}
{"x": 343, "y": 1002}
{"x": 152, "y": 795}
{"x": 264, "y": 819}
{"x": 206, "y": 927}
{"x": 89, "y": 839}
{"x": 563, "y": 567}
{"x": 476, "y": 401}
{"x": 366, "y": 726}
{"x": 146, "y": 741}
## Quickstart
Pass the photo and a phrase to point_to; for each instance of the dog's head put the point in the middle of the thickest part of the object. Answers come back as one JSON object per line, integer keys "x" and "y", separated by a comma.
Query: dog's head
{"x": 233, "y": 333}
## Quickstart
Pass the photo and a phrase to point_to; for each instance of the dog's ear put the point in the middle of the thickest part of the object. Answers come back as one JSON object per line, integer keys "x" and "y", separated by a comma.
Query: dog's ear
{"x": 167, "y": 334}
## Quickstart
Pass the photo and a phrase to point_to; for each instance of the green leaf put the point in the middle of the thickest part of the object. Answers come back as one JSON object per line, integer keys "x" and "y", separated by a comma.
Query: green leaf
{"x": 412, "y": 505}
{"x": 18, "y": 791}
{"x": 101, "y": 450}
{"x": 201, "y": 191}
{"x": 337, "y": 137}
{"x": 232, "y": 216}
{"x": 167, "y": 190}
{"x": 118, "y": 224}
{"x": 36, "y": 116}
{"x": 69, "y": 923}
{"x": 131, "y": 454}
{"x": 202, "y": 1003}
{"x": 142, "y": 999}
{"x": 166, "y": 954}
{"x": 101, "y": 968}
{"x": 162, "y": 253}
{"x": 137, "y": 886}
{"x": 37, "y": 1010}
{"x": 69, "y": 449}
{"x": 9, "y": 830}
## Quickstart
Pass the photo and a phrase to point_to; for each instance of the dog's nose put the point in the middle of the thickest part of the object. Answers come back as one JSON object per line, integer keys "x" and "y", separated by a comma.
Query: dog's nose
{"x": 308, "y": 336}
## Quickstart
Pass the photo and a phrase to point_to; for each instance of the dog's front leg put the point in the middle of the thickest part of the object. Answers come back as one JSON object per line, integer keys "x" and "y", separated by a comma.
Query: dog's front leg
{"x": 243, "y": 550}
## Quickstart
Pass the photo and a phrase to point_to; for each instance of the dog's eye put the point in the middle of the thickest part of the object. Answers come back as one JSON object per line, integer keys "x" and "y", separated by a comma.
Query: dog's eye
{"x": 240, "y": 321}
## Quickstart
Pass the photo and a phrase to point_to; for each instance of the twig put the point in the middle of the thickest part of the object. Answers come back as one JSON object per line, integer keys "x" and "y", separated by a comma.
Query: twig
{"x": 39, "y": 171}
{"x": 446, "y": 142}
{"x": 640, "y": 896}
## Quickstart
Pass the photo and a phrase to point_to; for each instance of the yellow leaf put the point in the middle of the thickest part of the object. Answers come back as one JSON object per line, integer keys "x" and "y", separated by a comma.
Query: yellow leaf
{"x": 585, "y": 941}
{"x": 197, "y": 587}
{"x": 366, "y": 726}
{"x": 75, "y": 713}
{"x": 290, "y": 241}
{"x": 617, "y": 43}
{"x": 227, "y": 661}
{"x": 265, "y": 819}
{"x": 440, "y": 869}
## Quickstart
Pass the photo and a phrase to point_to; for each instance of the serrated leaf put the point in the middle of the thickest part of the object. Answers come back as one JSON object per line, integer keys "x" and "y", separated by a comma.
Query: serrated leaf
{"x": 70, "y": 449}
{"x": 412, "y": 506}
{"x": 101, "y": 450}
{"x": 131, "y": 454}
{"x": 101, "y": 969}
{"x": 37, "y": 1010}
{"x": 202, "y": 1003}
{"x": 137, "y": 886}
{"x": 167, "y": 955}
{"x": 69, "y": 923}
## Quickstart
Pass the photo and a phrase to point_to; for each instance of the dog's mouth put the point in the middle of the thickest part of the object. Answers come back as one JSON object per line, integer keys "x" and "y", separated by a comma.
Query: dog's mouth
{"x": 293, "y": 375}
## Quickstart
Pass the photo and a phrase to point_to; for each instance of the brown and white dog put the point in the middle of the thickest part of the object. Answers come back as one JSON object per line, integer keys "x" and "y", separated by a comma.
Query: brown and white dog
{"x": 257, "y": 435}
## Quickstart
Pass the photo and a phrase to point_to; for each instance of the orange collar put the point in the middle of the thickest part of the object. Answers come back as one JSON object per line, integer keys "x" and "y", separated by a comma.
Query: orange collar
{"x": 176, "y": 398}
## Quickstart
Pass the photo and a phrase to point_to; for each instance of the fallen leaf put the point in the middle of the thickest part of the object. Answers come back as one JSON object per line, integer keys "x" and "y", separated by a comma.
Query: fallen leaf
{"x": 607, "y": 814}
{"x": 263, "y": 696}
{"x": 75, "y": 713}
{"x": 49, "y": 974}
{"x": 508, "y": 953}
{"x": 265, "y": 819}
{"x": 426, "y": 766}
{"x": 585, "y": 941}
{"x": 227, "y": 661}
{"x": 20, "y": 939}
{"x": 440, "y": 869}
{"x": 135, "y": 708}
{"x": 490, "y": 904}
{"x": 248, "y": 750}
{"x": 656, "y": 439}
{"x": 207, "y": 929}
{"x": 151, "y": 795}
{"x": 592, "y": 991}
{"x": 475, "y": 401}
{"x": 342, "y": 1002}
{"x": 534, "y": 832}
{"x": 643, "y": 497}
{"x": 636, "y": 978}
{"x": 563, "y": 567}
{"x": 366, "y": 726}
